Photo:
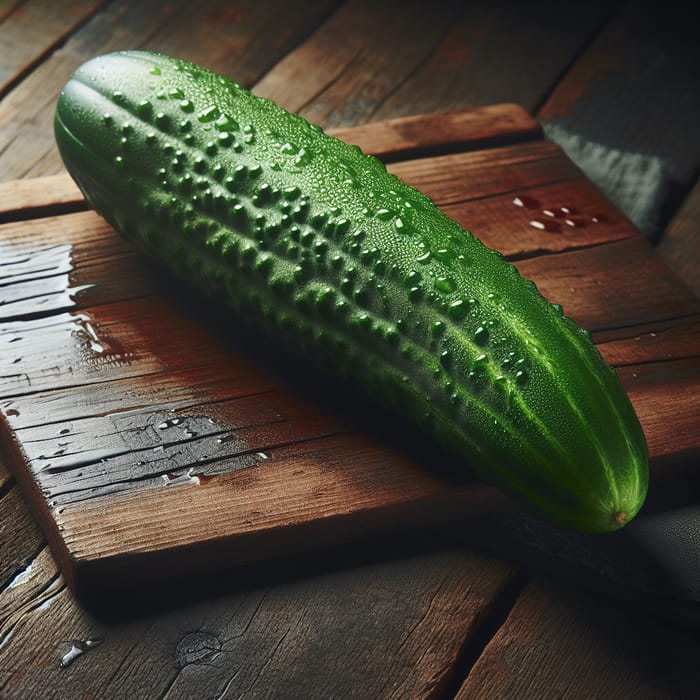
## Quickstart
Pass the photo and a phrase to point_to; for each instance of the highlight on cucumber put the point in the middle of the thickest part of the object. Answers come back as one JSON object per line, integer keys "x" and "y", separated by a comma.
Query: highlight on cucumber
{"x": 347, "y": 266}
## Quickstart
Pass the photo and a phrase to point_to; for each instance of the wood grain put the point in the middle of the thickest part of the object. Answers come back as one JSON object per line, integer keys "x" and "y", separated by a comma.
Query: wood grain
{"x": 674, "y": 339}
{"x": 599, "y": 292}
{"x": 29, "y": 31}
{"x": 374, "y": 61}
{"x": 479, "y": 60}
{"x": 23, "y": 199}
{"x": 368, "y": 620}
{"x": 344, "y": 70}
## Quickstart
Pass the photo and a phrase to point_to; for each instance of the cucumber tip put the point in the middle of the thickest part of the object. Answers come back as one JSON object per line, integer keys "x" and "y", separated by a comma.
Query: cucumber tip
{"x": 621, "y": 517}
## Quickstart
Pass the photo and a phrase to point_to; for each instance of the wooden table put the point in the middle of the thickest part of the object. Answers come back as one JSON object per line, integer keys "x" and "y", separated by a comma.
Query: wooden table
{"x": 449, "y": 611}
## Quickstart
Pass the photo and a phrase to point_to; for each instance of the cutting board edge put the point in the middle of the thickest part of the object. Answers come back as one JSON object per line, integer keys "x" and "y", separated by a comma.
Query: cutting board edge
{"x": 139, "y": 570}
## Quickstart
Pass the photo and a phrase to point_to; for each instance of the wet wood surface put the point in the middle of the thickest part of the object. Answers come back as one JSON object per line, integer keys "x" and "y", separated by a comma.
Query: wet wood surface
{"x": 456, "y": 612}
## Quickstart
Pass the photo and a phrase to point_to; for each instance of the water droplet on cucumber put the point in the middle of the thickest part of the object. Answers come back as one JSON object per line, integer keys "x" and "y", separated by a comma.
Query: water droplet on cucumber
{"x": 209, "y": 114}
{"x": 445, "y": 284}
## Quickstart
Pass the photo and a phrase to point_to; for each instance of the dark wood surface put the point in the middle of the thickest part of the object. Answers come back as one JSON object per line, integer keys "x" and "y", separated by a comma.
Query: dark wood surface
{"x": 437, "y": 614}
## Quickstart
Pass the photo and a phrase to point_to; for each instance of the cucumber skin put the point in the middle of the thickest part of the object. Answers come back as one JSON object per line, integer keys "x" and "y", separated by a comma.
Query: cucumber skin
{"x": 334, "y": 256}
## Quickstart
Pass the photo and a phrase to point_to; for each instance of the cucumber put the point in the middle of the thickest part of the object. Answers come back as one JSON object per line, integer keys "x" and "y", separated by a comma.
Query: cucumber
{"x": 343, "y": 262}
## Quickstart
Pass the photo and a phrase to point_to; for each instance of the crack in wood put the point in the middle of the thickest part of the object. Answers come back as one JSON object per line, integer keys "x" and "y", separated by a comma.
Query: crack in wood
{"x": 190, "y": 472}
{"x": 7, "y": 484}
{"x": 23, "y": 571}
{"x": 39, "y": 600}
{"x": 542, "y": 252}
{"x": 636, "y": 324}
{"x": 492, "y": 620}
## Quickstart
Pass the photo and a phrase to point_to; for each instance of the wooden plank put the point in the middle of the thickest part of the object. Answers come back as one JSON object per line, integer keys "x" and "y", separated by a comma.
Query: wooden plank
{"x": 559, "y": 642}
{"x": 663, "y": 394}
{"x": 443, "y": 132}
{"x": 371, "y": 61}
{"x": 110, "y": 412}
{"x": 675, "y": 339}
{"x": 30, "y": 30}
{"x": 41, "y": 258}
{"x": 26, "y": 113}
{"x": 115, "y": 339}
{"x": 36, "y": 197}
{"x": 340, "y": 75}
{"x": 243, "y": 42}
{"x": 454, "y": 178}
{"x": 113, "y": 411}
{"x": 243, "y": 635}
{"x": 479, "y": 61}
{"x": 599, "y": 293}
{"x": 679, "y": 247}
{"x": 649, "y": 148}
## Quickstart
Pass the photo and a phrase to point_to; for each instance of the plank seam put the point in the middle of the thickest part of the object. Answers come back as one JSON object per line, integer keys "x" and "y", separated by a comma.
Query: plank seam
{"x": 50, "y": 50}
{"x": 631, "y": 332}
{"x": 27, "y": 561}
{"x": 72, "y": 308}
{"x": 7, "y": 486}
{"x": 147, "y": 406}
{"x": 429, "y": 54}
{"x": 585, "y": 46}
{"x": 311, "y": 31}
{"x": 43, "y": 211}
{"x": 546, "y": 252}
{"x": 4, "y": 14}
{"x": 636, "y": 324}
{"x": 656, "y": 362}
{"x": 473, "y": 648}
{"x": 458, "y": 147}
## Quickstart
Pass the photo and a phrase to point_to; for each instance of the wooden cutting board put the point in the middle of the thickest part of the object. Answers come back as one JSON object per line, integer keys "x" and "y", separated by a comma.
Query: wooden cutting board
{"x": 154, "y": 435}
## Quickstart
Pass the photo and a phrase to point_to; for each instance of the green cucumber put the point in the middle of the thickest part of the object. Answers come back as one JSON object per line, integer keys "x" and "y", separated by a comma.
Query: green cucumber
{"x": 345, "y": 263}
